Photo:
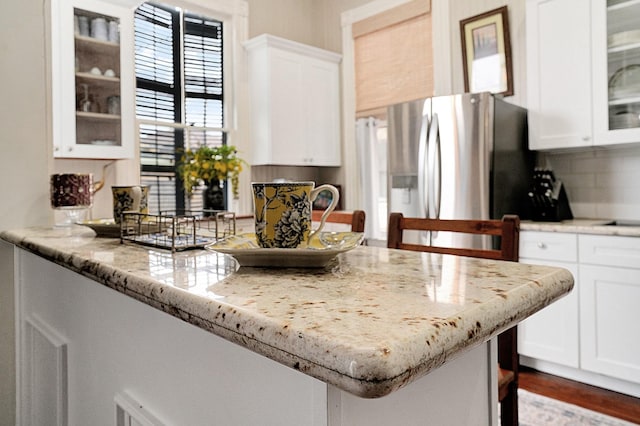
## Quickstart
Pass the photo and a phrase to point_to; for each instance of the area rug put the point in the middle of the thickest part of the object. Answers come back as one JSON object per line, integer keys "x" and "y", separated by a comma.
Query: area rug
{"x": 538, "y": 410}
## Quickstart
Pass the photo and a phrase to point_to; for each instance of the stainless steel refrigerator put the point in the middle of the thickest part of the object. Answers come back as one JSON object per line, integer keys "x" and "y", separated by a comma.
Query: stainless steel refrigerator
{"x": 458, "y": 157}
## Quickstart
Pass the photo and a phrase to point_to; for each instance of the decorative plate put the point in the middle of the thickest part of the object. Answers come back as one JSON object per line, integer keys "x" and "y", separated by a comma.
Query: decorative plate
{"x": 327, "y": 245}
{"x": 103, "y": 227}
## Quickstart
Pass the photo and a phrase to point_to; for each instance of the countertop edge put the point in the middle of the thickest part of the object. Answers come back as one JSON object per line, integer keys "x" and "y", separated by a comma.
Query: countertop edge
{"x": 582, "y": 226}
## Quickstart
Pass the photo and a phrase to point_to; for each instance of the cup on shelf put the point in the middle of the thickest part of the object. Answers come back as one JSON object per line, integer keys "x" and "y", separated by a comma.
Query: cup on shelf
{"x": 95, "y": 71}
{"x": 113, "y": 32}
{"x": 83, "y": 25}
{"x": 109, "y": 73}
{"x": 113, "y": 105}
{"x": 99, "y": 29}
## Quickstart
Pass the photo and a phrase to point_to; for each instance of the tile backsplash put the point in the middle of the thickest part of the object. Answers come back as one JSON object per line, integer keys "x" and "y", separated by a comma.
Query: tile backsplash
{"x": 600, "y": 183}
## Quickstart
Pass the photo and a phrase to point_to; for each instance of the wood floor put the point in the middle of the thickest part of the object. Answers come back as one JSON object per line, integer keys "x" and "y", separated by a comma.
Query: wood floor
{"x": 593, "y": 398}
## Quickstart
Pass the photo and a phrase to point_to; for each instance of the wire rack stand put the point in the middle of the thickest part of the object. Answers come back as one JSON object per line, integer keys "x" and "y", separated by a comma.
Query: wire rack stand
{"x": 177, "y": 230}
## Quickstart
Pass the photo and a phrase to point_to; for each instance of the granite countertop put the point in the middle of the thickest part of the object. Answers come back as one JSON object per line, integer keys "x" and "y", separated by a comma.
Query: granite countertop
{"x": 586, "y": 226}
{"x": 369, "y": 323}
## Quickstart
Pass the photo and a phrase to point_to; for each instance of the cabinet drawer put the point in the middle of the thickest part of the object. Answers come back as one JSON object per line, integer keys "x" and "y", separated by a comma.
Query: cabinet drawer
{"x": 609, "y": 250}
{"x": 549, "y": 246}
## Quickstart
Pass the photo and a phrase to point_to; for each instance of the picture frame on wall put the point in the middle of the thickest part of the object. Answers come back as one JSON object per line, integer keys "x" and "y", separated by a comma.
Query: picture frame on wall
{"x": 486, "y": 53}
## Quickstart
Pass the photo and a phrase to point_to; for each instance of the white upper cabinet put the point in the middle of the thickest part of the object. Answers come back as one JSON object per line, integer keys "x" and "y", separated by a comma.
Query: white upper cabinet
{"x": 583, "y": 72}
{"x": 616, "y": 71}
{"x": 558, "y": 73}
{"x": 294, "y": 103}
{"x": 93, "y": 80}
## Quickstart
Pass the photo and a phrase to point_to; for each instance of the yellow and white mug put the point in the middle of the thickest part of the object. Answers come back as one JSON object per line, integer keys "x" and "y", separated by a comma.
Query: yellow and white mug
{"x": 282, "y": 212}
{"x": 129, "y": 199}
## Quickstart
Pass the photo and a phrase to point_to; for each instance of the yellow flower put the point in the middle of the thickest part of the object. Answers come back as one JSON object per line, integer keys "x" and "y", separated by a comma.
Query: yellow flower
{"x": 206, "y": 163}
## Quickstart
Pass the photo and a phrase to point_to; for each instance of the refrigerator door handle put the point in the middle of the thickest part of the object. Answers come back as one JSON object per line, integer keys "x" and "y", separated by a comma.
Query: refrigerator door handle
{"x": 435, "y": 170}
{"x": 437, "y": 190}
{"x": 423, "y": 190}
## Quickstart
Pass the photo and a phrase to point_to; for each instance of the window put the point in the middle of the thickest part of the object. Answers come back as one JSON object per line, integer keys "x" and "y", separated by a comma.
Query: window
{"x": 179, "y": 97}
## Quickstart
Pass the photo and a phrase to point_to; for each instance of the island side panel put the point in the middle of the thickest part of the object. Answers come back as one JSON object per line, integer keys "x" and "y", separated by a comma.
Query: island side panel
{"x": 461, "y": 392}
{"x": 116, "y": 345}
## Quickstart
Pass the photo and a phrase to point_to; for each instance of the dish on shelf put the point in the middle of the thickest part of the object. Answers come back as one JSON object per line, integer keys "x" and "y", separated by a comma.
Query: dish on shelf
{"x": 624, "y": 120}
{"x": 105, "y": 142}
{"x": 245, "y": 249}
{"x": 624, "y": 37}
{"x": 625, "y": 82}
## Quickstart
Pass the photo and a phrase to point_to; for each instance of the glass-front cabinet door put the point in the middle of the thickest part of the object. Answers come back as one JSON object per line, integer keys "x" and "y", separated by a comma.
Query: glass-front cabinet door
{"x": 92, "y": 80}
{"x": 616, "y": 71}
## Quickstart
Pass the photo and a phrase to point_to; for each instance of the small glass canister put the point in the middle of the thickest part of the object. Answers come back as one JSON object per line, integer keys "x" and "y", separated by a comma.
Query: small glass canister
{"x": 113, "y": 105}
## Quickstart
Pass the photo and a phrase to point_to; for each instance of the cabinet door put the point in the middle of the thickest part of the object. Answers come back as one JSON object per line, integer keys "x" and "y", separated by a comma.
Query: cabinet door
{"x": 92, "y": 80}
{"x": 323, "y": 114}
{"x": 558, "y": 73}
{"x": 288, "y": 112}
{"x": 552, "y": 334}
{"x": 609, "y": 318}
{"x": 299, "y": 123}
{"x": 616, "y": 71}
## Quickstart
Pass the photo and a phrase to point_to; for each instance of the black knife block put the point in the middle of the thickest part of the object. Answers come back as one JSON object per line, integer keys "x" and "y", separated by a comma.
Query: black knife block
{"x": 553, "y": 208}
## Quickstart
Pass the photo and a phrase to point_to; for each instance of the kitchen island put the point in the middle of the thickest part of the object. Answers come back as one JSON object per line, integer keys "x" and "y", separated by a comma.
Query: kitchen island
{"x": 379, "y": 336}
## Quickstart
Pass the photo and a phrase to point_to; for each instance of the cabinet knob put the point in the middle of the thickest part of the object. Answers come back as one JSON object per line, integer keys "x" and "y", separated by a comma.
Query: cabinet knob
{"x": 542, "y": 245}
{"x": 586, "y": 138}
{"x": 70, "y": 149}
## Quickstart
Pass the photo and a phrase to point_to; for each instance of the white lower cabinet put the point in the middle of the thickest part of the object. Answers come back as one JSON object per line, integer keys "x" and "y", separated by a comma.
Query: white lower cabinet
{"x": 552, "y": 333}
{"x": 610, "y": 305}
{"x": 591, "y": 335}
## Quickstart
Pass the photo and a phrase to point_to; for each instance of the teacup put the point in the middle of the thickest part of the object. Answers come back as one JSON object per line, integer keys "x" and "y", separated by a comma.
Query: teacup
{"x": 282, "y": 212}
{"x": 129, "y": 199}
{"x": 72, "y": 190}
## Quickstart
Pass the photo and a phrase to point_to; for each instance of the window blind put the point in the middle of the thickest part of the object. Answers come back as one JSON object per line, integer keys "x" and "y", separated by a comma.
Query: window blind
{"x": 179, "y": 83}
{"x": 393, "y": 57}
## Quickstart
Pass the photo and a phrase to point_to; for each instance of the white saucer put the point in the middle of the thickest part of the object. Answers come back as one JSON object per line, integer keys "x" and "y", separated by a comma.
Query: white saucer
{"x": 245, "y": 249}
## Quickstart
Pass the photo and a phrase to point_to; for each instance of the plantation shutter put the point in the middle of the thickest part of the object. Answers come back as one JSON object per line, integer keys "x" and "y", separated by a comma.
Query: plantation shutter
{"x": 179, "y": 95}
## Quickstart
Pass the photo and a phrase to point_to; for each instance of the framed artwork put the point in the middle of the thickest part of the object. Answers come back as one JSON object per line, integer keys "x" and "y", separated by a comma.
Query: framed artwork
{"x": 325, "y": 197}
{"x": 486, "y": 53}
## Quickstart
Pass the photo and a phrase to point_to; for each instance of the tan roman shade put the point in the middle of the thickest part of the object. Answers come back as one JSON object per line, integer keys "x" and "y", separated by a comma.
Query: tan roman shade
{"x": 393, "y": 57}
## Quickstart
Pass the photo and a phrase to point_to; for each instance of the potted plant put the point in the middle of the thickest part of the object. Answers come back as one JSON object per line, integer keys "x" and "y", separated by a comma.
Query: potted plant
{"x": 211, "y": 165}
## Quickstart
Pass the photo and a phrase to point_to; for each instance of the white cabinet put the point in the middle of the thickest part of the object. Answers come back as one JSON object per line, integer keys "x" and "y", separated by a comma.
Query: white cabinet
{"x": 570, "y": 68}
{"x": 558, "y": 73}
{"x": 590, "y": 335}
{"x": 294, "y": 103}
{"x": 552, "y": 334}
{"x": 93, "y": 81}
{"x": 616, "y": 71}
{"x": 609, "y": 305}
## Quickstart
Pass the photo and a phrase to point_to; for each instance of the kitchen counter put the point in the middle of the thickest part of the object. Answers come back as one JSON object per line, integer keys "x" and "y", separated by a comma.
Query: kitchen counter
{"x": 372, "y": 321}
{"x": 584, "y": 226}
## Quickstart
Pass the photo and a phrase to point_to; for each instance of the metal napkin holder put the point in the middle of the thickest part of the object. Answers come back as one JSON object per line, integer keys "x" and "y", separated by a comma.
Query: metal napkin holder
{"x": 177, "y": 231}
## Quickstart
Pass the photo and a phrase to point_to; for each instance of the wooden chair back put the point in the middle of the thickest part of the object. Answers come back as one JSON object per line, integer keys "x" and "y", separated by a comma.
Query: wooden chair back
{"x": 354, "y": 218}
{"x": 508, "y": 229}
